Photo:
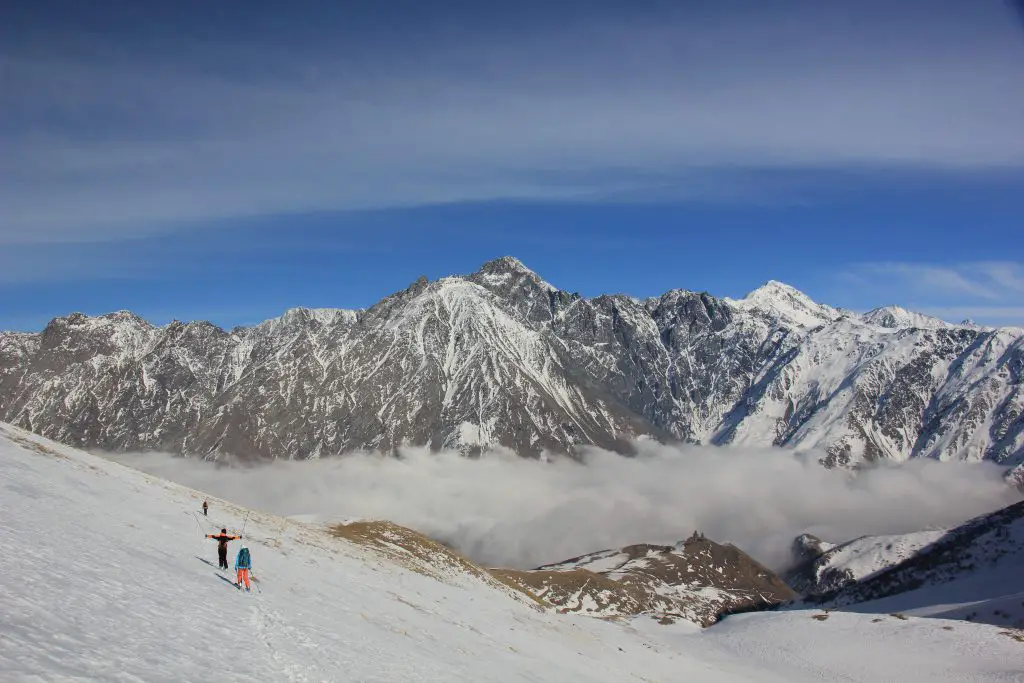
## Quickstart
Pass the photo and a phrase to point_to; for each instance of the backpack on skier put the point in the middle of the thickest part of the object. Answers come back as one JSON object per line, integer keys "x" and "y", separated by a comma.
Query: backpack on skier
{"x": 243, "y": 566}
{"x": 243, "y": 560}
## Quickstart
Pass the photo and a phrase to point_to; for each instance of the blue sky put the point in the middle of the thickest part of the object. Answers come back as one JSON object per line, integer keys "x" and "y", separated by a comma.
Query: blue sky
{"x": 229, "y": 160}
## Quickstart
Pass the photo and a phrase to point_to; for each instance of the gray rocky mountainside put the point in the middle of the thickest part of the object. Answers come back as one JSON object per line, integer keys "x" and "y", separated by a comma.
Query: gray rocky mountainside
{"x": 502, "y": 358}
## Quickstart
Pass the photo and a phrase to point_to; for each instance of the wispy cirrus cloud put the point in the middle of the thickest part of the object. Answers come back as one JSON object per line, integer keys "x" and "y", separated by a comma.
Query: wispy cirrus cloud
{"x": 672, "y": 102}
{"x": 964, "y": 280}
{"x": 987, "y": 292}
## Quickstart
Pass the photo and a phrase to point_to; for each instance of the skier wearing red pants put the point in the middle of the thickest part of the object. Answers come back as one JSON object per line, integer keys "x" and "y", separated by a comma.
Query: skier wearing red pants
{"x": 243, "y": 565}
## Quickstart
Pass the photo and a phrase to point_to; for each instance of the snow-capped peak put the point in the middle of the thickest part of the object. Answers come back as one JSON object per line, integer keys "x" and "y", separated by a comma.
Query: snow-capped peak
{"x": 510, "y": 268}
{"x": 972, "y": 325}
{"x": 897, "y": 317}
{"x": 775, "y": 288}
{"x": 125, "y": 316}
{"x": 788, "y": 303}
{"x": 116, "y": 317}
{"x": 775, "y": 292}
{"x": 505, "y": 264}
{"x": 324, "y": 316}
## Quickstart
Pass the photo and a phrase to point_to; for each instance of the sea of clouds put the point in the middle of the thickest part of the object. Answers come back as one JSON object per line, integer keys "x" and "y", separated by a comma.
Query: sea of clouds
{"x": 502, "y": 510}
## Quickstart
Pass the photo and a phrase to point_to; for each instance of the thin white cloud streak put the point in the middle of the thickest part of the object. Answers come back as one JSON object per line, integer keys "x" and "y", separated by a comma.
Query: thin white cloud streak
{"x": 987, "y": 292}
{"x": 1008, "y": 276}
{"x": 584, "y": 112}
{"x": 505, "y": 511}
{"x": 959, "y": 281}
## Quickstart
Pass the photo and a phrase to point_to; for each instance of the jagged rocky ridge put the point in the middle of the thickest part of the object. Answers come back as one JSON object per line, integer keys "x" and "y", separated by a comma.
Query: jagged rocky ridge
{"x": 695, "y": 580}
{"x": 502, "y": 358}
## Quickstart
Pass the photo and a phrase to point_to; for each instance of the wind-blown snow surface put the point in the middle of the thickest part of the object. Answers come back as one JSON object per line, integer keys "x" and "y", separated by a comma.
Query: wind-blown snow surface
{"x": 103, "y": 576}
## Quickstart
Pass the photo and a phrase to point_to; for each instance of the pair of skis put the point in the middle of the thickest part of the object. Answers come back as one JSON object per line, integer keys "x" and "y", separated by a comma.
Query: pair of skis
{"x": 255, "y": 582}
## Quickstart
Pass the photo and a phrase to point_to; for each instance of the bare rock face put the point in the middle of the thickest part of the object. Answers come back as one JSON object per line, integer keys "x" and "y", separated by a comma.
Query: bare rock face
{"x": 501, "y": 358}
{"x": 808, "y": 547}
{"x": 695, "y": 580}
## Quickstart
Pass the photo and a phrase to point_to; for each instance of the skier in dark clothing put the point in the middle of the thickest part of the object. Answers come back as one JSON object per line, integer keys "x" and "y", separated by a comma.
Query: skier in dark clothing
{"x": 222, "y": 546}
{"x": 205, "y": 508}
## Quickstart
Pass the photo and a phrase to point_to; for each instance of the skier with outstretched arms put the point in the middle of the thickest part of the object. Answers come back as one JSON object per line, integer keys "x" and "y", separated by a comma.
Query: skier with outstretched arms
{"x": 222, "y": 546}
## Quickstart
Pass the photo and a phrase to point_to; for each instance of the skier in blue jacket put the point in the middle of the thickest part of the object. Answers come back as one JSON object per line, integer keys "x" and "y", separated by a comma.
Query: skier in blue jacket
{"x": 243, "y": 565}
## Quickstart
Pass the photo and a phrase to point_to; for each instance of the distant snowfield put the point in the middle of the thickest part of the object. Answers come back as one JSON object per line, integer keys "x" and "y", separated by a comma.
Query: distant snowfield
{"x": 104, "y": 576}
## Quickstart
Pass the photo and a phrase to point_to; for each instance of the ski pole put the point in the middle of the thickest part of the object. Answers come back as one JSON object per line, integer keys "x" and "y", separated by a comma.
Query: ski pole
{"x": 199, "y": 528}
{"x": 256, "y": 582}
{"x": 245, "y": 522}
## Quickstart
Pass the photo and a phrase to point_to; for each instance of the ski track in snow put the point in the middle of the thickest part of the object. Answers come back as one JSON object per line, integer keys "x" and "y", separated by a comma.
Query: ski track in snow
{"x": 104, "y": 576}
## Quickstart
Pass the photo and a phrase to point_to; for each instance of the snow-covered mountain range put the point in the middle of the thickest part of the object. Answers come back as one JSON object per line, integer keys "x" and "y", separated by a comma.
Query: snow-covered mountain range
{"x": 502, "y": 358}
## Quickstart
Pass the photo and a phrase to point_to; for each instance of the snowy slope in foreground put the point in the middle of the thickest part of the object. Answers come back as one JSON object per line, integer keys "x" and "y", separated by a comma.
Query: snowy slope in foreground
{"x": 103, "y": 576}
{"x": 800, "y": 646}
